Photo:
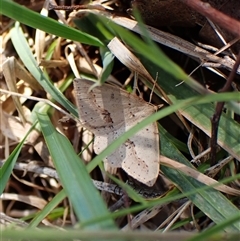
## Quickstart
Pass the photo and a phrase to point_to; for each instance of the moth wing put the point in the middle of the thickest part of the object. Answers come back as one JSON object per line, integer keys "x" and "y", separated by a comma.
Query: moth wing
{"x": 142, "y": 155}
{"x": 100, "y": 109}
{"x": 101, "y": 143}
{"x": 106, "y": 108}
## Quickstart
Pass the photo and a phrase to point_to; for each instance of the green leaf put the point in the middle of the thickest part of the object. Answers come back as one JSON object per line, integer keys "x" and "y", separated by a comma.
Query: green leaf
{"x": 47, "y": 209}
{"x": 48, "y": 25}
{"x": 74, "y": 177}
{"x": 214, "y": 233}
{"x": 108, "y": 62}
{"x": 24, "y": 52}
{"x": 91, "y": 25}
{"x": 7, "y": 167}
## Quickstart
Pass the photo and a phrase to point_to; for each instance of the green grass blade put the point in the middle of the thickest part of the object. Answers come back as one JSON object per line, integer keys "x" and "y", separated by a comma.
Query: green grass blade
{"x": 91, "y": 25}
{"x": 24, "y": 52}
{"x": 74, "y": 177}
{"x": 214, "y": 233}
{"x": 7, "y": 167}
{"x": 108, "y": 62}
{"x": 48, "y": 25}
{"x": 47, "y": 209}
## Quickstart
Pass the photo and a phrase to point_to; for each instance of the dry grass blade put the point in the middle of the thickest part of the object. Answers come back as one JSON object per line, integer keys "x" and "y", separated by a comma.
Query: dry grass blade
{"x": 199, "y": 176}
{"x": 177, "y": 43}
{"x": 28, "y": 199}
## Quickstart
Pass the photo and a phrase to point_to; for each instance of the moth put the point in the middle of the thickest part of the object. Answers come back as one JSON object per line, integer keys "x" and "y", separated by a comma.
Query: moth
{"x": 108, "y": 112}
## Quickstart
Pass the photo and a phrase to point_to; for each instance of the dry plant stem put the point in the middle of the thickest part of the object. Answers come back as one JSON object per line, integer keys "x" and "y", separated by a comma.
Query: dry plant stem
{"x": 75, "y": 7}
{"x": 216, "y": 117}
{"x": 119, "y": 204}
{"x": 144, "y": 216}
{"x": 212, "y": 171}
{"x": 102, "y": 186}
{"x": 178, "y": 213}
{"x": 13, "y": 221}
{"x": 224, "y": 21}
{"x": 40, "y": 100}
{"x": 195, "y": 160}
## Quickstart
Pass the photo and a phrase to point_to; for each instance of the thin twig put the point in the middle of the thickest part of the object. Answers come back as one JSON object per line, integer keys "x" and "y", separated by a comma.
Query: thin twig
{"x": 76, "y": 7}
{"x": 216, "y": 117}
{"x": 223, "y": 20}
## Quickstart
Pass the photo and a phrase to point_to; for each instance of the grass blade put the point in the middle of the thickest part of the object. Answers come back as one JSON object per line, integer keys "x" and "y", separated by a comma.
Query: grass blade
{"x": 74, "y": 177}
